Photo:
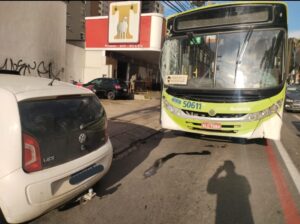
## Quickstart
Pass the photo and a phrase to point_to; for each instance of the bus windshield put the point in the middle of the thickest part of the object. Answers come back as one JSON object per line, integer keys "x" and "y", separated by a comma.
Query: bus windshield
{"x": 236, "y": 60}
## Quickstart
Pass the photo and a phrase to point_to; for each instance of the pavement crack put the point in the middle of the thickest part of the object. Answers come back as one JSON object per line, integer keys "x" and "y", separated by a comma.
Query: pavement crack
{"x": 159, "y": 162}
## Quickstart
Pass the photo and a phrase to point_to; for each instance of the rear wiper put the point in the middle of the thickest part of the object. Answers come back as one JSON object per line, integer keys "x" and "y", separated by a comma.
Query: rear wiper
{"x": 84, "y": 126}
{"x": 241, "y": 51}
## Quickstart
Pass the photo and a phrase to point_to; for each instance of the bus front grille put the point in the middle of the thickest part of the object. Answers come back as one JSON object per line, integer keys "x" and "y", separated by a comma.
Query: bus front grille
{"x": 204, "y": 114}
{"x": 224, "y": 128}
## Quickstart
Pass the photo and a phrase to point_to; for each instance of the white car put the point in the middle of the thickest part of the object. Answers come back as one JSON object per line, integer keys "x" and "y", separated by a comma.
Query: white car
{"x": 54, "y": 144}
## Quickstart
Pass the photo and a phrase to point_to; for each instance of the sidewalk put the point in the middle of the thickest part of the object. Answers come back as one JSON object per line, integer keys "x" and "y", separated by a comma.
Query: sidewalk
{"x": 131, "y": 122}
{"x": 147, "y": 95}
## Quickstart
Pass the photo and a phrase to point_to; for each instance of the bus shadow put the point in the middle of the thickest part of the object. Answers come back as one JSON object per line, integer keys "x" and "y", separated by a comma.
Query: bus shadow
{"x": 220, "y": 139}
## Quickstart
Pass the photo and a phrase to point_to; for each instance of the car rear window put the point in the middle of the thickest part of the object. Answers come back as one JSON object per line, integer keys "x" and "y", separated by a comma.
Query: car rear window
{"x": 120, "y": 82}
{"x": 57, "y": 124}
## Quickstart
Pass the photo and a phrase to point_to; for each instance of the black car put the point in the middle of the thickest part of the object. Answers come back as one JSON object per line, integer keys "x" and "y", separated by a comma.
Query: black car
{"x": 109, "y": 88}
{"x": 292, "y": 99}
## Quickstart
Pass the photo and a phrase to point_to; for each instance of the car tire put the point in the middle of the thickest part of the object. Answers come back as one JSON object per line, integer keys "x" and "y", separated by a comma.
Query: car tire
{"x": 111, "y": 95}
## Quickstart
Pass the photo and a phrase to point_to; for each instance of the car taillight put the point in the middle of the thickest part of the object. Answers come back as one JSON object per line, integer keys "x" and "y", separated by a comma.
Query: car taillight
{"x": 117, "y": 86}
{"x": 31, "y": 154}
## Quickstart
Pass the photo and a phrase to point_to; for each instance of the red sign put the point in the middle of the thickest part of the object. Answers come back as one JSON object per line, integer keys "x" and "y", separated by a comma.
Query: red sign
{"x": 97, "y": 34}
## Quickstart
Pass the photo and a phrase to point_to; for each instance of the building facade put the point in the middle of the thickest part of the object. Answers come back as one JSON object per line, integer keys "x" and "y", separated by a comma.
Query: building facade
{"x": 78, "y": 10}
{"x": 124, "y": 42}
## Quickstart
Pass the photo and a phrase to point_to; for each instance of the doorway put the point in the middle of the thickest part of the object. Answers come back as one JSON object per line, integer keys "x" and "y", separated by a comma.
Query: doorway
{"x": 122, "y": 70}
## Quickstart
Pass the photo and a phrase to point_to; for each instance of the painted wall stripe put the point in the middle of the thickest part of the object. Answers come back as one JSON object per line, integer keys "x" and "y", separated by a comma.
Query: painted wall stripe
{"x": 290, "y": 212}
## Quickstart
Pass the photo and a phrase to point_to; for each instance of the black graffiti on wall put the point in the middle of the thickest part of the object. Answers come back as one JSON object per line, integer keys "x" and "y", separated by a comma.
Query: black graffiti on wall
{"x": 42, "y": 68}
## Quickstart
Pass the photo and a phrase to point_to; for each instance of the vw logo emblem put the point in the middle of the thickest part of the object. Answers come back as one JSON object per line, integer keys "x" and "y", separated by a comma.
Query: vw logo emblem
{"x": 82, "y": 138}
{"x": 212, "y": 113}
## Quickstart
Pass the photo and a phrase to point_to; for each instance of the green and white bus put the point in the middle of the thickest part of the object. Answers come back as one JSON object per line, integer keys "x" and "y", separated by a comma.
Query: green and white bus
{"x": 223, "y": 70}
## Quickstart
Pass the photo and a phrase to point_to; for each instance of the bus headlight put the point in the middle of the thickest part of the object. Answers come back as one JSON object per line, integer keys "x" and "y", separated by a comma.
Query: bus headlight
{"x": 176, "y": 111}
{"x": 265, "y": 113}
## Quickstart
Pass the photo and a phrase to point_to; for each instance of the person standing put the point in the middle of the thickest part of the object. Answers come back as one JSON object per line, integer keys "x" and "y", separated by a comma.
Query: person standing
{"x": 132, "y": 83}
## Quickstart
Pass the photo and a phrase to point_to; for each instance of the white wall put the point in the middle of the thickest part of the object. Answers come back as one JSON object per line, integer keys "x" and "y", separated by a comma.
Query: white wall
{"x": 75, "y": 62}
{"x": 33, "y": 36}
{"x": 95, "y": 65}
{"x": 156, "y": 31}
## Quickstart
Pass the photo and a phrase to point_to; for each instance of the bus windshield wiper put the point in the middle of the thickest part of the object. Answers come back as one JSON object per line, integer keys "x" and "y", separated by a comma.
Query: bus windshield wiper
{"x": 241, "y": 51}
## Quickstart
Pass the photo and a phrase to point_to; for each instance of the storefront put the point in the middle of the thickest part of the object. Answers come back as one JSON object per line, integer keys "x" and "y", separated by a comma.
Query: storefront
{"x": 124, "y": 43}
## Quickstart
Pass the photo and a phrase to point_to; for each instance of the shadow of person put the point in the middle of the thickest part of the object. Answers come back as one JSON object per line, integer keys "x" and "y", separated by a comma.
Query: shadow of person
{"x": 232, "y": 190}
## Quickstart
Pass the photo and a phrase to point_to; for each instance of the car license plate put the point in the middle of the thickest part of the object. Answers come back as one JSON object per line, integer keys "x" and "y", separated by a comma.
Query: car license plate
{"x": 211, "y": 125}
{"x": 80, "y": 176}
{"x": 125, "y": 90}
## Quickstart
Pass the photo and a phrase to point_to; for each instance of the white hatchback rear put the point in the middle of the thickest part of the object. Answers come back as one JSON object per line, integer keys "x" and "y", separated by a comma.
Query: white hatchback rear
{"x": 54, "y": 144}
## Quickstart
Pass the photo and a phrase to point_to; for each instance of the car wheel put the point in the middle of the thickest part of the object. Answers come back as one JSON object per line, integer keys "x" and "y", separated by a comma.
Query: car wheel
{"x": 111, "y": 95}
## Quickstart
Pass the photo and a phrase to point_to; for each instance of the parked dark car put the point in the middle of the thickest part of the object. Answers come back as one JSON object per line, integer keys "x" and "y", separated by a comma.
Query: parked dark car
{"x": 292, "y": 99}
{"x": 90, "y": 87}
{"x": 109, "y": 88}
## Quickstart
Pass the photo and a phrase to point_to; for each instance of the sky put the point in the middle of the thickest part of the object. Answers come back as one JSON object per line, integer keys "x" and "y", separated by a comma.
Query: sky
{"x": 293, "y": 17}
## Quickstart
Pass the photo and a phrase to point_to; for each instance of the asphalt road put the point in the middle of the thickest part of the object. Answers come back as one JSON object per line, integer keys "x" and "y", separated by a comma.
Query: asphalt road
{"x": 173, "y": 177}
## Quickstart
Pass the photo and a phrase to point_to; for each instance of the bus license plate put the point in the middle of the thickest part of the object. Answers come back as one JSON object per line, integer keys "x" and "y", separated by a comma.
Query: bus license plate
{"x": 212, "y": 125}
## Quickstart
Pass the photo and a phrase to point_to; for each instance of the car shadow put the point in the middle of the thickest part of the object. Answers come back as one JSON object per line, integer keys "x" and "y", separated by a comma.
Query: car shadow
{"x": 129, "y": 97}
{"x": 129, "y": 157}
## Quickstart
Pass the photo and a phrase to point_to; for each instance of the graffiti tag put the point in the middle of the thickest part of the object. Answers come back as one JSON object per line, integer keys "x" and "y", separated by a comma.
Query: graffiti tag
{"x": 41, "y": 68}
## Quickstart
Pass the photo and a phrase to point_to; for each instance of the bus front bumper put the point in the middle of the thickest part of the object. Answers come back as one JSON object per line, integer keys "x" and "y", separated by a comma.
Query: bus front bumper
{"x": 268, "y": 127}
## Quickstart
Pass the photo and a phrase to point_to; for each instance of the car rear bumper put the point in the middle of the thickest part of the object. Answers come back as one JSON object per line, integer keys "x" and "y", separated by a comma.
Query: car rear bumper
{"x": 26, "y": 196}
{"x": 292, "y": 106}
{"x": 122, "y": 94}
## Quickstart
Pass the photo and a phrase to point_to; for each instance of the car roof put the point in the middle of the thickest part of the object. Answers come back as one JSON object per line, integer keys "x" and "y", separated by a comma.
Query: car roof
{"x": 108, "y": 79}
{"x": 293, "y": 86}
{"x": 105, "y": 78}
{"x": 25, "y": 87}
